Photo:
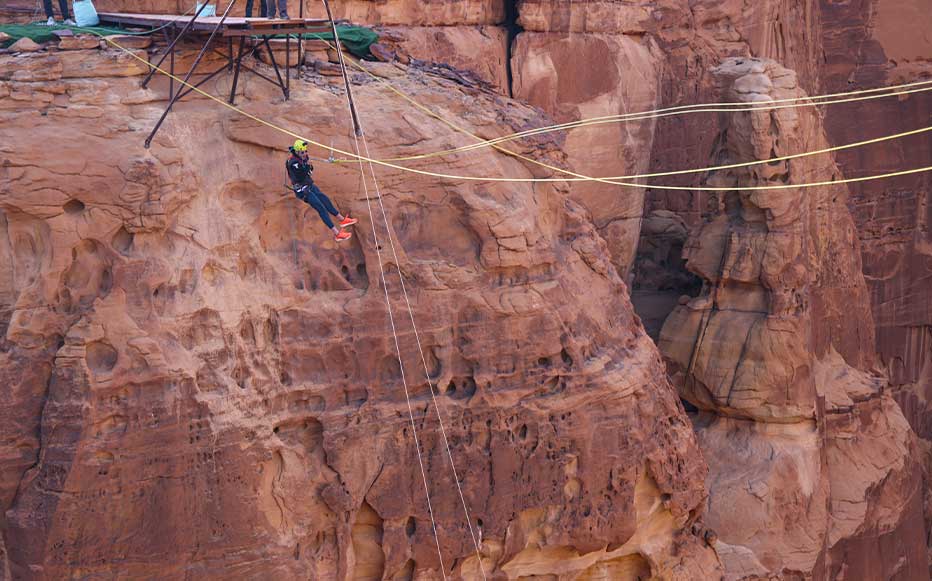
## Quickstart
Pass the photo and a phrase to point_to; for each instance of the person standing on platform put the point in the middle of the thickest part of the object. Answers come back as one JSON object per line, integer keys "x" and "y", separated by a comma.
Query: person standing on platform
{"x": 282, "y": 9}
{"x": 263, "y": 11}
{"x": 63, "y": 4}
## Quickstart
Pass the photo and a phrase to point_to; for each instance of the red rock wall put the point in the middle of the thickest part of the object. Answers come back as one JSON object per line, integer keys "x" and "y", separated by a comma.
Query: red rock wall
{"x": 771, "y": 354}
{"x": 203, "y": 385}
{"x": 637, "y": 56}
{"x": 874, "y": 44}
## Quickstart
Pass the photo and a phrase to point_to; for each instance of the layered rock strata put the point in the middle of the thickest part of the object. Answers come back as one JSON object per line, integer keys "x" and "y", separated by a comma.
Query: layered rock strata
{"x": 202, "y": 384}
{"x": 813, "y": 469}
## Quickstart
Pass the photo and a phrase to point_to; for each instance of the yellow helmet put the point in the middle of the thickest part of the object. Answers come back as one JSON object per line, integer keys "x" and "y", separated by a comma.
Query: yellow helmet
{"x": 300, "y": 146}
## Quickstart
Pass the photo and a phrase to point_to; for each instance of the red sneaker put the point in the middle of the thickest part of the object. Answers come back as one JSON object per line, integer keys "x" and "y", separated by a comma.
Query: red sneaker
{"x": 348, "y": 222}
{"x": 342, "y": 236}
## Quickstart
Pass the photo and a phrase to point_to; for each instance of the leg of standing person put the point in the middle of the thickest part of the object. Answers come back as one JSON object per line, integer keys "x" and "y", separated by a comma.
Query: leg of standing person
{"x": 63, "y": 4}
{"x": 263, "y": 9}
{"x": 282, "y": 8}
{"x": 47, "y": 4}
{"x": 248, "y": 8}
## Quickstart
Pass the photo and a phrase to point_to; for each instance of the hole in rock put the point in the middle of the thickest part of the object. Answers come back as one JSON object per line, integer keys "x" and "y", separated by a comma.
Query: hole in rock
{"x": 123, "y": 240}
{"x": 406, "y": 573}
{"x": 410, "y": 526}
{"x": 101, "y": 357}
{"x": 689, "y": 407}
{"x": 565, "y": 356}
{"x": 73, "y": 207}
{"x": 367, "y": 545}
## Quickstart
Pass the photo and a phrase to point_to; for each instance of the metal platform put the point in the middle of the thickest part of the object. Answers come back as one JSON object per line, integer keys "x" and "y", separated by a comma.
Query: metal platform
{"x": 216, "y": 28}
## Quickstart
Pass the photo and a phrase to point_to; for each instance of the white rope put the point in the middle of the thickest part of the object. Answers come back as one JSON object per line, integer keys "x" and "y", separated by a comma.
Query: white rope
{"x": 391, "y": 318}
{"x": 404, "y": 381}
{"x": 417, "y": 338}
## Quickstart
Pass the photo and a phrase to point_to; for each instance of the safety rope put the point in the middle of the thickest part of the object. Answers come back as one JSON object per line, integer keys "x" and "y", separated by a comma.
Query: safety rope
{"x": 404, "y": 292}
{"x": 504, "y": 179}
{"x": 667, "y": 112}
{"x": 430, "y": 385}
{"x": 611, "y": 179}
{"x": 391, "y": 319}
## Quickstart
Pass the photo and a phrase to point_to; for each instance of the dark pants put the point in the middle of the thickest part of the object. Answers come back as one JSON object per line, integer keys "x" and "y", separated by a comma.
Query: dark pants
{"x": 311, "y": 194}
{"x": 266, "y": 8}
{"x": 262, "y": 8}
{"x": 63, "y": 4}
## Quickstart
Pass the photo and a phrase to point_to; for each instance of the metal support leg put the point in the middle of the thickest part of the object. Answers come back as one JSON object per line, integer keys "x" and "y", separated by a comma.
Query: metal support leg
{"x": 171, "y": 81}
{"x": 194, "y": 65}
{"x": 300, "y": 35}
{"x": 281, "y": 83}
{"x": 287, "y": 66}
{"x": 346, "y": 81}
{"x": 171, "y": 46}
{"x": 239, "y": 64}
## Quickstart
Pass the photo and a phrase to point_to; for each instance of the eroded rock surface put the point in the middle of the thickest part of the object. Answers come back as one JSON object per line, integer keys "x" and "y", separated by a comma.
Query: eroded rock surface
{"x": 202, "y": 384}
{"x": 812, "y": 464}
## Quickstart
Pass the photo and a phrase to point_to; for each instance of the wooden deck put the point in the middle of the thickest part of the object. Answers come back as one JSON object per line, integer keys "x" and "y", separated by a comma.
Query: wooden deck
{"x": 232, "y": 26}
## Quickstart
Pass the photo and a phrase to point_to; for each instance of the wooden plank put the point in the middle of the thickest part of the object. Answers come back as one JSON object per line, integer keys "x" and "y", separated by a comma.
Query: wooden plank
{"x": 206, "y": 21}
{"x": 155, "y": 20}
{"x": 272, "y": 32}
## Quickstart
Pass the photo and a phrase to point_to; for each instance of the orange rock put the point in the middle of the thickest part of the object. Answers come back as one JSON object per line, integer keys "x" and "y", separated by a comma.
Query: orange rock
{"x": 188, "y": 354}
{"x": 131, "y": 41}
{"x": 776, "y": 355}
{"x": 583, "y": 76}
{"x": 80, "y": 42}
{"x": 25, "y": 45}
{"x": 482, "y": 50}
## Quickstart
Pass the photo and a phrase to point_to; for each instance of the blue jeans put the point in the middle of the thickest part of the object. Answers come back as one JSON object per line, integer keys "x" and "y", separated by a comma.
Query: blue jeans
{"x": 262, "y": 9}
{"x": 63, "y": 4}
{"x": 311, "y": 194}
{"x": 266, "y": 8}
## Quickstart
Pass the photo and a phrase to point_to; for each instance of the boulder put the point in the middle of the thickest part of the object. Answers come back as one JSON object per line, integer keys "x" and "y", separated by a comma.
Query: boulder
{"x": 25, "y": 45}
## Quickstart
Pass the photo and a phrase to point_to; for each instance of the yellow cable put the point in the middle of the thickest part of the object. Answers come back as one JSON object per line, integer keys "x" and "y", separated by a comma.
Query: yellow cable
{"x": 496, "y": 179}
{"x": 634, "y": 117}
{"x": 612, "y": 179}
{"x": 608, "y": 179}
{"x": 654, "y": 114}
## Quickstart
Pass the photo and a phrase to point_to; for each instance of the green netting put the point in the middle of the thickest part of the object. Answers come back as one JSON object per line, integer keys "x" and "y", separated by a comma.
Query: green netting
{"x": 42, "y": 33}
{"x": 356, "y": 39}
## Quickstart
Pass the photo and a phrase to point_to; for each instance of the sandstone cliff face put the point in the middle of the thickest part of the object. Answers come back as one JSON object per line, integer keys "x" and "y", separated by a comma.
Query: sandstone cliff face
{"x": 576, "y": 76}
{"x": 841, "y": 478}
{"x": 887, "y": 43}
{"x": 202, "y": 384}
{"x": 813, "y": 469}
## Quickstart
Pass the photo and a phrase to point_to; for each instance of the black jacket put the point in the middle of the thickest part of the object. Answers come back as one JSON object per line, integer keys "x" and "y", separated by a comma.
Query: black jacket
{"x": 299, "y": 171}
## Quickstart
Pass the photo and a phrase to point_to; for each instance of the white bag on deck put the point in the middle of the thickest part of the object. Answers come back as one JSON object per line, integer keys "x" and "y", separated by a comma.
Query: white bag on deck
{"x": 210, "y": 10}
{"x": 85, "y": 14}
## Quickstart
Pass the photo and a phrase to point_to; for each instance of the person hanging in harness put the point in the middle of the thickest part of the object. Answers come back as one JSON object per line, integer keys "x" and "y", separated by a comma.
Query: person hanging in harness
{"x": 299, "y": 172}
